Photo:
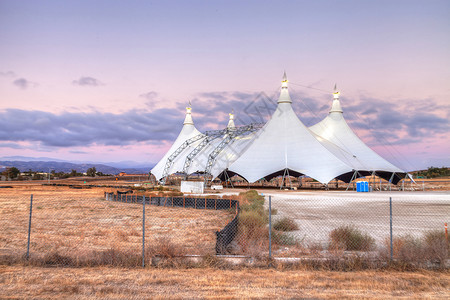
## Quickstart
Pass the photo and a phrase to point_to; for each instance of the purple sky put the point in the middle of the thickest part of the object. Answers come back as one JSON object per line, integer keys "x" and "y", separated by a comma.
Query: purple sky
{"x": 109, "y": 80}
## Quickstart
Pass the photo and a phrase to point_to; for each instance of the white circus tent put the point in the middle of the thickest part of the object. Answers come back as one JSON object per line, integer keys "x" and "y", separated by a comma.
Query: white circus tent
{"x": 286, "y": 145}
{"x": 187, "y": 132}
{"x": 283, "y": 146}
{"x": 334, "y": 133}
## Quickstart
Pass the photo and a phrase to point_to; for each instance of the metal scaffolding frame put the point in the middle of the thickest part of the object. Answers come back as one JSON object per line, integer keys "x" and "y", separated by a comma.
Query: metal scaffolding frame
{"x": 207, "y": 137}
{"x": 175, "y": 154}
{"x": 227, "y": 140}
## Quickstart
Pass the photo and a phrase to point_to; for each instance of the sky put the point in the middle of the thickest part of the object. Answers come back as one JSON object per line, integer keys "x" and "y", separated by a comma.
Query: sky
{"x": 108, "y": 81}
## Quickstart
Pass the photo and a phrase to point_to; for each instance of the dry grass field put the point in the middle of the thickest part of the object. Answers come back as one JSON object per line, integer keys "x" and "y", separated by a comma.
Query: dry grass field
{"x": 75, "y": 222}
{"x": 18, "y": 282}
{"x": 79, "y": 223}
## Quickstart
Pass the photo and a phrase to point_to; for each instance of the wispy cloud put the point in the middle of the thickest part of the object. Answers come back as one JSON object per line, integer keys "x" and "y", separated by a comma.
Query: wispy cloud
{"x": 87, "y": 81}
{"x": 11, "y": 145}
{"x": 23, "y": 83}
{"x": 149, "y": 96}
{"x": 7, "y": 74}
{"x": 152, "y": 98}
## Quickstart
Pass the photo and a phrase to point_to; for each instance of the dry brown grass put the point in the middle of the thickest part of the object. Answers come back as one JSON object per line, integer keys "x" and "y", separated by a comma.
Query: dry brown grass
{"x": 122, "y": 283}
{"x": 73, "y": 223}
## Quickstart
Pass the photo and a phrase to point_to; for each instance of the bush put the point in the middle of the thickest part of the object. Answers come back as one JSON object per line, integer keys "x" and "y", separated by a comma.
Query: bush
{"x": 406, "y": 249}
{"x": 283, "y": 238}
{"x": 285, "y": 224}
{"x": 253, "y": 219}
{"x": 350, "y": 238}
{"x": 436, "y": 246}
{"x": 164, "y": 247}
{"x": 412, "y": 250}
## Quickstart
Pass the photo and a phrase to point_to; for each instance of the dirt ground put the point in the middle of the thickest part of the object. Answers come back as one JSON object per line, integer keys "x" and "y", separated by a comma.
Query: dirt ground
{"x": 17, "y": 282}
{"x": 413, "y": 213}
{"x": 77, "y": 221}
{"x": 319, "y": 212}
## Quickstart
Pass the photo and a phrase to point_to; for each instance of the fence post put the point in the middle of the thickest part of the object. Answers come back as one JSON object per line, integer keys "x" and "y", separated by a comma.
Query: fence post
{"x": 29, "y": 227}
{"x": 446, "y": 232}
{"x": 390, "y": 227}
{"x": 270, "y": 227}
{"x": 143, "y": 231}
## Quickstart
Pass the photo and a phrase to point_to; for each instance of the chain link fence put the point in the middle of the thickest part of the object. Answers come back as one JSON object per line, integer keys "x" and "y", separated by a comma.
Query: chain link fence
{"x": 129, "y": 229}
{"x": 377, "y": 226}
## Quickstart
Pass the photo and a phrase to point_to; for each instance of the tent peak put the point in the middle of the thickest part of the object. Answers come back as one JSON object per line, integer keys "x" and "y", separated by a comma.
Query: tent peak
{"x": 188, "y": 119}
{"x": 231, "y": 120}
{"x": 336, "y": 106}
{"x": 284, "y": 95}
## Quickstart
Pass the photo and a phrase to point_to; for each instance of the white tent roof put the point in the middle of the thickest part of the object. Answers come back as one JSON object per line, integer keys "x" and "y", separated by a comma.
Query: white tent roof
{"x": 286, "y": 143}
{"x": 335, "y": 134}
{"x": 188, "y": 131}
{"x": 228, "y": 155}
{"x": 327, "y": 150}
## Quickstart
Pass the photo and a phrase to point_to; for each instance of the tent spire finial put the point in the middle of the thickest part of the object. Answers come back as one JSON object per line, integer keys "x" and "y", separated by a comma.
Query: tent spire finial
{"x": 231, "y": 120}
{"x": 284, "y": 95}
{"x": 336, "y": 92}
{"x": 336, "y": 106}
{"x": 284, "y": 81}
{"x": 188, "y": 118}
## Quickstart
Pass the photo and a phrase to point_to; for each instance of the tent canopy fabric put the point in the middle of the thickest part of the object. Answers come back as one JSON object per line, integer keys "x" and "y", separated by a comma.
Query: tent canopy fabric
{"x": 334, "y": 133}
{"x": 324, "y": 151}
{"x": 188, "y": 131}
{"x": 286, "y": 143}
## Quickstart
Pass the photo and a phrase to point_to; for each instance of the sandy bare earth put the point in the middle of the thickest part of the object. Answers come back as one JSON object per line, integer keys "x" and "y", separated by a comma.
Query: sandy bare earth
{"x": 319, "y": 212}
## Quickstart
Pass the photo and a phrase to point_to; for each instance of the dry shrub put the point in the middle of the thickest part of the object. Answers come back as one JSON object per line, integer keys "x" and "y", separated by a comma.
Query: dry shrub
{"x": 285, "y": 224}
{"x": 283, "y": 238}
{"x": 55, "y": 258}
{"x": 115, "y": 257}
{"x": 251, "y": 197}
{"x": 350, "y": 238}
{"x": 406, "y": 249}
{"x": 110, "y": 257}
{"x": 409, "y": 251}
{"x": 164, "y": 247}
{"x": 252, "y": 232}
{"x": 251, "y": 220}
{"x": 436, "y": 246}
{"x": 252, "y": 235}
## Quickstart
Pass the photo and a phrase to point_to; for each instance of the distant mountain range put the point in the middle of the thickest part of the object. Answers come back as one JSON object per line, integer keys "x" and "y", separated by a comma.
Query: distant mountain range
{"x": 44, "y": 164}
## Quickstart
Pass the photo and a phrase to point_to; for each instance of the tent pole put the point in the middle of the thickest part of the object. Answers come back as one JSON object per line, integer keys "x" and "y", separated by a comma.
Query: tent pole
{"x": 229, "y": 179}
{"x": 403, "y": 184}
{"x": 350, "y": 182}
{"x": 282, "y": 179}
{"x": 373, "y": 180}
{"x": 289, "y": 177}
{"x": 390, "y": 180}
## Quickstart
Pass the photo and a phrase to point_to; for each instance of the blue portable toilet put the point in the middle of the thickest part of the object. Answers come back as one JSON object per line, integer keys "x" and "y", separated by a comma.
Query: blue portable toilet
{"x": 362, "y": 186}
{"x": 365, "y": 186}
{"x": 358, "y": 186}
